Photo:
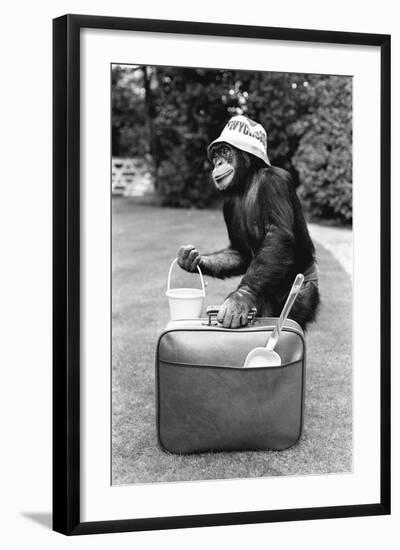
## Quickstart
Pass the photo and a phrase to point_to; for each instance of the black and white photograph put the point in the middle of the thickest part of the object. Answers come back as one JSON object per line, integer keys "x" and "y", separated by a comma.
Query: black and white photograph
{"x": 232, "y": 274}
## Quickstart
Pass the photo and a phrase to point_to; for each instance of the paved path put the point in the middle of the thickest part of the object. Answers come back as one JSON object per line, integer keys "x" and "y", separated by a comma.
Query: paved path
{"x": 338, "y": 240}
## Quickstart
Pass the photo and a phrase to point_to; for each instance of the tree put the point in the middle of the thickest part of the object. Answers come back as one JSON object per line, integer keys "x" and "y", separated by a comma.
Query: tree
{"x": 191, "y": 105}
{"x": 173, "y": 114}
{"x": 130, "y": 129}
{"x": 324, "y": 155}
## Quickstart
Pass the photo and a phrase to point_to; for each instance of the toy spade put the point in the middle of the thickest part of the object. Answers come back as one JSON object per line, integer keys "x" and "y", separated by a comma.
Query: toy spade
{"x": 266, "y": 356}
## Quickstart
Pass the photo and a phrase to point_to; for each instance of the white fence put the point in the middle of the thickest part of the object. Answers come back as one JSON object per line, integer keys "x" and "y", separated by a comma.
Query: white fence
{"x": 131, "y": 178}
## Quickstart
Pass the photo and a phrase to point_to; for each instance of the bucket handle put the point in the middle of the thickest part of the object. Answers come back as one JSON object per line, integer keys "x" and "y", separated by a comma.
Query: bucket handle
{"x": 170, "y": 272}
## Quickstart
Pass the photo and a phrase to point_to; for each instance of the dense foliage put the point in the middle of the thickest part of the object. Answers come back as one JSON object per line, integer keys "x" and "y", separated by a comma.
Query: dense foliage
{"x": 323, "y": 158}
{"x": 171, "y": 114}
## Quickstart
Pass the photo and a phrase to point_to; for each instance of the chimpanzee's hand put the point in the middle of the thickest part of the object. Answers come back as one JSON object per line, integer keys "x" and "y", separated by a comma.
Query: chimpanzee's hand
{"x": 235, "y": 310}
{"x": 188, "y": 258}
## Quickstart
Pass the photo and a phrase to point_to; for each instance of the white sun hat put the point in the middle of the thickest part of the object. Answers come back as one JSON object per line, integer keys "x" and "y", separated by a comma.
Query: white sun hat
{"x": 245, "y": 134}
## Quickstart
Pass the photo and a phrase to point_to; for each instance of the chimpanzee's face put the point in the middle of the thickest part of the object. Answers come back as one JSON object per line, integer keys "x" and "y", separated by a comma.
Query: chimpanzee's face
{"x": 224, "y": 160}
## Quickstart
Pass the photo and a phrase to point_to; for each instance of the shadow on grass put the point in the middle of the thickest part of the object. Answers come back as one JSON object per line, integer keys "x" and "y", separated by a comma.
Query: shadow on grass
{"x": 145, "y": 240}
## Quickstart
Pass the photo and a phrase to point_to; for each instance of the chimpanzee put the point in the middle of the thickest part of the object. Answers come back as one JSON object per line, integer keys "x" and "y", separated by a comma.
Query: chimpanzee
{"x": 269, "y": 239}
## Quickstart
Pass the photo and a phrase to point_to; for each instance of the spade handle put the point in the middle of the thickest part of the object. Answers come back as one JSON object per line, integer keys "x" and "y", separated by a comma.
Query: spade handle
{"x": 298, "y": 282}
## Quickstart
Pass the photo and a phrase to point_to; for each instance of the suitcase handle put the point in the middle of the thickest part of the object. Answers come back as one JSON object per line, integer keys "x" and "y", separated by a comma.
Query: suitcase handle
{"x": 212, "y": 311}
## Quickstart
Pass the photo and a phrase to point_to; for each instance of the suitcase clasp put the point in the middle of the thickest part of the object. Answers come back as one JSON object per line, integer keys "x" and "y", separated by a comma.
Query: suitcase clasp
{"x": 212, "y": 311}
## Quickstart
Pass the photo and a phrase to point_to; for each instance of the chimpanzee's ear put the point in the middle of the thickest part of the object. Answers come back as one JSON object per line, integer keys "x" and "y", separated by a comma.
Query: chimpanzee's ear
{"x": 247, "y": 160}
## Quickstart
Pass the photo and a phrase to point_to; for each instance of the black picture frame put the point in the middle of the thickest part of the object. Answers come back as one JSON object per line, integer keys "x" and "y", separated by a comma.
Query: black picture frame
{"x": 66, "y": 273}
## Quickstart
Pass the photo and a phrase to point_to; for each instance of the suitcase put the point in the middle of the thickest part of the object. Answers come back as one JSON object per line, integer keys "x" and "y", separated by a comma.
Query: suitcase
{"x": 207, "y": 401}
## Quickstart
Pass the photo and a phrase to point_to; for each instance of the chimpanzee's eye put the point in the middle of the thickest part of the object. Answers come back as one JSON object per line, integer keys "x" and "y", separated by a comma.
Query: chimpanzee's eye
{"x": 225, "y": 151}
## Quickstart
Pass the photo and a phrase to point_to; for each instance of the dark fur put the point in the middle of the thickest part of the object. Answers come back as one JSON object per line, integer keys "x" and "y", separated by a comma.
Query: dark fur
{"x": 269, "y": 239}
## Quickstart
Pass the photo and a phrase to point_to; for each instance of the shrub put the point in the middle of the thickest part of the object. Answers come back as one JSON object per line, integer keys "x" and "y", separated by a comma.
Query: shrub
{"x": 190, "y": 108}
{"x": 173, "y": 113}
{"x": 324, "y": 155}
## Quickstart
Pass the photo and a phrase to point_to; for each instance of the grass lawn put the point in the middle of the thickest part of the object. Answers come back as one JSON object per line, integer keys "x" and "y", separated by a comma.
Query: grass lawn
{"x": 145, "y": 240}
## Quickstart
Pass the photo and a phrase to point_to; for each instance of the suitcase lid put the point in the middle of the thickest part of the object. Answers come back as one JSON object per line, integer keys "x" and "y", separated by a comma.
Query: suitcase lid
{"x": 196, "y": 342}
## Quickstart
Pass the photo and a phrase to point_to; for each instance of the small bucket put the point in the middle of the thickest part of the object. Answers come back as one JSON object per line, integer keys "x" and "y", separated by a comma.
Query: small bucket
{"x": 185, "y": 303}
